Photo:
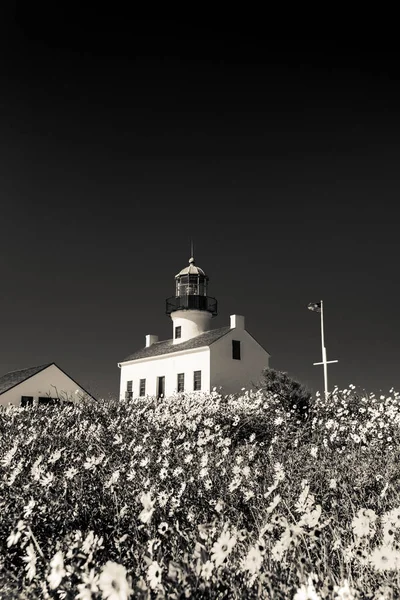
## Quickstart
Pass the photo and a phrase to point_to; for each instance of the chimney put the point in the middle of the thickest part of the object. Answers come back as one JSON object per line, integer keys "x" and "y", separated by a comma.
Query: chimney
{"x": 237, "y": 322}
{"x": 151, "y": 339}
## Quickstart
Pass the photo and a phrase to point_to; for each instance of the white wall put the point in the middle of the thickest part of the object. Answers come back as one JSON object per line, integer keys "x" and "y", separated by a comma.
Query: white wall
{"x": 192, "y": 322}
{"x": 41, "y": 385}
{"x": 234, "y": 374}
{"x": 168, "y": 366}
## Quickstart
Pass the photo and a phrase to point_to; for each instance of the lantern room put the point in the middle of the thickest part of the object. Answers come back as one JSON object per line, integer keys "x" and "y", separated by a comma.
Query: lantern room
{"x": 191, "y": 286}
{"x": 191, "y": 281}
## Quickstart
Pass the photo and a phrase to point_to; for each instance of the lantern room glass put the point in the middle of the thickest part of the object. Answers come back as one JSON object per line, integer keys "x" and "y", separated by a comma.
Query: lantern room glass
{"x": 191, "y": 285}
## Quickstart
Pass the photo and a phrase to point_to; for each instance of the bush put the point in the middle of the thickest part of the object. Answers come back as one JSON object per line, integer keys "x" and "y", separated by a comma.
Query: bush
{"x": 291, "y": 394}
{"x": 201, "y": 496}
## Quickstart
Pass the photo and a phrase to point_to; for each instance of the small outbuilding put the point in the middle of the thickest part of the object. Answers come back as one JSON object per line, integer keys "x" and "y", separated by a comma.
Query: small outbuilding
{"x": 45, "y": 384}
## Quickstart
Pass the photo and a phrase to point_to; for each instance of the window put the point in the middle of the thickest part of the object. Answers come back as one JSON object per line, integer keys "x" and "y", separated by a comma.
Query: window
{"x": 26, "y": 400}
{"x": 129, "y": 390}
{"x": 181, "y": 382}
{"x": 178, "y": 332}
{"x": 236, "y": 349}
{"x": 142, "y": 387}
{"x": 197, "y": 380}
{"x": 47, "y": 400}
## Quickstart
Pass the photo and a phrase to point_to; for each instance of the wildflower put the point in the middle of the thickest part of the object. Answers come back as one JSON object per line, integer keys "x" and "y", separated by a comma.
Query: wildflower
{"x": 89, "y": 542}
{"x": 14, "y": 537}
{"x": 30, "y": 559}
{"x": 235, "y": 483}
{"x": 362, "y": 523}
{"x": 246, "y": 471}
{"x": 163, "y": 473}
{"x": 148, "y": 508}
{"x": 89, "y": 463}
{"x": 385, "y": 558}
{"x": 113, "y": 479}
{"x": 71, "y": 472}
{"x": 57, "y": 570}
{"x": 163, "y": 527}
{"x": 162, "y": 498}
{"x": 113, "y": 582}
{"x": 248, "y": 494}
{"x": 154, "y": 575}
{"x": 222, "y": 548}
{"x": 55, "y": 456}
{"x": 307, "y": 592}
{"x": 311, "y": 517}
{"x": 333, "y": 484}
{"x": 207, "y": 569}
{"x": 15, "y": 472}
{"x": 47, "y": 479}
{"x": 253, "y": 560}
{"x": 88, "y": 586}
{"x": 9, "y": 456}
{"x": 274, "y": 503}
{"x": 131, "y": 475}
{"x": 344, "y": 592}
{"x": 314, "y": 451}
{"x": 29, "y": 508}
{"x": 392, "y": 517}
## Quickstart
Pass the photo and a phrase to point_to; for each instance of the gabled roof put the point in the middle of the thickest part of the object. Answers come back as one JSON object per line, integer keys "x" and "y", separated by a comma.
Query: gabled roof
{"x": 168, "y": 347}
{"x": 13, "y": 378}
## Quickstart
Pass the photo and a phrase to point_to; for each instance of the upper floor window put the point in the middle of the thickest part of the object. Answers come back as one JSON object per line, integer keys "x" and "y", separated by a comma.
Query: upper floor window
{"x": 236, "y": 349}
{"x": 178, "y": 332}
{"x": 197, "y": 380}
{"x": 181, "y": 382}
{"x": 129, "y": 390}
{"x": 142, "y": 387}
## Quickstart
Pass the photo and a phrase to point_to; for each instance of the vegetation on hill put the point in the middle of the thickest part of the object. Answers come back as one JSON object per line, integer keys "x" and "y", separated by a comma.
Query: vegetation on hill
{"x": 203, "y": 496}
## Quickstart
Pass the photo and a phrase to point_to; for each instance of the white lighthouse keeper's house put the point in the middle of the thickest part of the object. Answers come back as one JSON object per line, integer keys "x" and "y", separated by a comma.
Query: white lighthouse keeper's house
{"x": 197, "y": 358}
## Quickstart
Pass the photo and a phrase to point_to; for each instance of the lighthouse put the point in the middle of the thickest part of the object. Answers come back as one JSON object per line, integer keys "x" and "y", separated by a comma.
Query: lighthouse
{"x": 197, "y": 358}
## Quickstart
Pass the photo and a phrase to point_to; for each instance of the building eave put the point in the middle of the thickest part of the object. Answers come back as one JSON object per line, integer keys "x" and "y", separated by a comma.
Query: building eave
{"x": 168, "y": 354}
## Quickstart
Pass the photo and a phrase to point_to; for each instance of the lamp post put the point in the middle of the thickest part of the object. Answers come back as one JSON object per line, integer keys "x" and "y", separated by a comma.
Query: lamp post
{"x": 319, "y": 307}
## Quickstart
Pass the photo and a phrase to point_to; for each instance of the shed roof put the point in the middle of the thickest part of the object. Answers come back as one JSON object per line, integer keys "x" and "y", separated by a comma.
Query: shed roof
{"x": 168, "y": 347}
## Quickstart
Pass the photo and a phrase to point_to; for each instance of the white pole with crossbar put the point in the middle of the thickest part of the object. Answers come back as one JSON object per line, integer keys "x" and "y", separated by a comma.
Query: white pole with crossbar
{"x": 324, "y": 361}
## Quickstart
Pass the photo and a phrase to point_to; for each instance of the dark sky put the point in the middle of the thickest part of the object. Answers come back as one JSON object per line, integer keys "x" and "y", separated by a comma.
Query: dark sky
{"x": 121, "y": 140}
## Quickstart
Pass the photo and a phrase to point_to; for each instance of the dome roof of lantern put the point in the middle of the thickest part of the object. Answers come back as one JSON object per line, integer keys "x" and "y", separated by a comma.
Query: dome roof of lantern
{"x": 192, "y": 269}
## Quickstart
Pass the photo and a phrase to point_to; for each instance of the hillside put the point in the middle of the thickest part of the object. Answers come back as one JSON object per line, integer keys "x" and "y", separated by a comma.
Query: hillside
{"x": 202, "y": 497}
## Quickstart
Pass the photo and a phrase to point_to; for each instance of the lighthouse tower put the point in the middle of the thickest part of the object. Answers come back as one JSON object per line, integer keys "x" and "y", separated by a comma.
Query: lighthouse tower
{"x": 191, "y": 310}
